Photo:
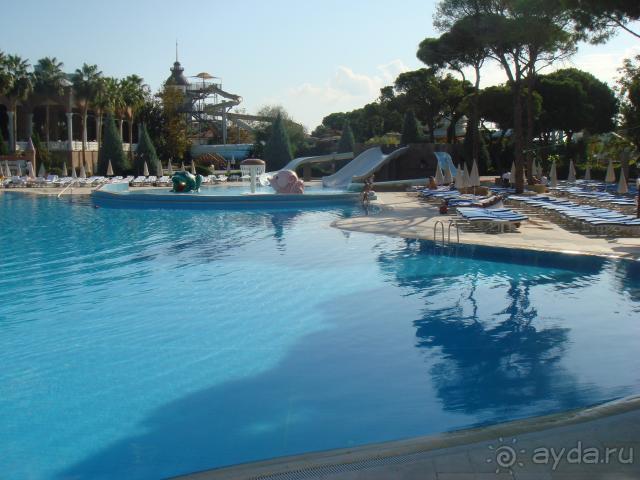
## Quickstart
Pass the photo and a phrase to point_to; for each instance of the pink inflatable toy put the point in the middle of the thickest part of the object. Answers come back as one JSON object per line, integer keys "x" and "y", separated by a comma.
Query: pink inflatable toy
{"x": 286, "y": 181}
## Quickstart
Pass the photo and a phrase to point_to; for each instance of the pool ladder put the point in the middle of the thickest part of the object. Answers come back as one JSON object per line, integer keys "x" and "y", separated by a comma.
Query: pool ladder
{"x": 452, "y": 223}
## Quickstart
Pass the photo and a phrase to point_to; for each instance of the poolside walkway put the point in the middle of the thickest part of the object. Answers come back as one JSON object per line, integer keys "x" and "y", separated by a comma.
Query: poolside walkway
{"x": 406, "y": 215}
{"x": 598, "y": 443}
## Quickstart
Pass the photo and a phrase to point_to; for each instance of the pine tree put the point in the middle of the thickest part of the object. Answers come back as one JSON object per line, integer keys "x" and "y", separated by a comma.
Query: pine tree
{"x": 111, "y": 149}
{"x": 347, "y": 141}
{"x": 146, "y": 152}
{"x": 277, "y": 151}
{"x": 410, "y": 129}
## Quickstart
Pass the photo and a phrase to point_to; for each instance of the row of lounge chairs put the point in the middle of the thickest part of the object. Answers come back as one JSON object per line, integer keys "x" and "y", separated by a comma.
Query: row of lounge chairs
{"x": 165, "y": 180}
{"x": 492, "y": 219}
{"x": 94, "y": 181}
{"x": 597, "y": 220}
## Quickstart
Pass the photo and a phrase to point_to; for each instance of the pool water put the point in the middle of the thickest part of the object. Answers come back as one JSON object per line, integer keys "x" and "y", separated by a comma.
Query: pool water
{"x": 142, "y": 344}
{"x": 233, "y": 189}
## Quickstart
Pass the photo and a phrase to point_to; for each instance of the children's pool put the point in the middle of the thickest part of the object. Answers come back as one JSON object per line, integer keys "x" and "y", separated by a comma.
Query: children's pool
{"x": 150, "y": 343}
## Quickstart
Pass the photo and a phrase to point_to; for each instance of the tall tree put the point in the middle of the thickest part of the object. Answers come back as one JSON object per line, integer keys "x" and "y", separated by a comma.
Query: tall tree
{"x": 86, "y": 81}
{"x": 174, "y": 123}
{"x": 49, "y": 82}
{"x": 462, "y": 45}
{"x": 599, "y": 19}
{"x": 134, "y": 94}
{"x": 111, "y": 150}
{"x": 277, "y": 151}
{"x": 410, "y": 129}
{"x": 347, "y": 142}
{"x": 422, "y": 93}
{"x": 146, "y": 152}
{"x": 20, "y": 86}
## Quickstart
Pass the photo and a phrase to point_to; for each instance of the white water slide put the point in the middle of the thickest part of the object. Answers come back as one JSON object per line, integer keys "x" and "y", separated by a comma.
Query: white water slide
{"x": 331, "y": 157}
{"x": 361, "y": 167}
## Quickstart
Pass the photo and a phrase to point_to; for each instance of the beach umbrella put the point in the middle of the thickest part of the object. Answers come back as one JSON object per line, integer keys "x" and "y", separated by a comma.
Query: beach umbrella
{"x": 182, "y": 167}
{"x": 158, "y": 169}
{"x": 193, "y": 167}
{"x": 30, "y": 172}
{"x": 448, "y": 178}
{"x": 109, "y": 169}
{"x": 7, "y": 169}
{"x": 465, "y": 175}
{"x": 572, "y": 172}
{"x": 145, "y": 169}
{"x": 18, "y": 170}
{"x": 622, "y": 184}
{"x": 512, "y": 178}
{"x": 587, "y": 173}
{"x": 553, "y": 175}
{"x": 459, "y": 180}
{"x": 534, "y": 168}
{"x": 83, "y": 171}
{"x": 475, "y": 175}
{"x": 73, "y": 172}
{"x": 540, "y": 173}
{"x": 439, "y": 176}
{"x": 41, "y": 172}
{"x": 170, "y": 167}
{"x": 65, "y": 172}
{"x": 610, "y": 177}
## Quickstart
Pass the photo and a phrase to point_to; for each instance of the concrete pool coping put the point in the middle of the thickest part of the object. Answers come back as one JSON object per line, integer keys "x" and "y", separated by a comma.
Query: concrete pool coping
{"x": 467, "y": 453}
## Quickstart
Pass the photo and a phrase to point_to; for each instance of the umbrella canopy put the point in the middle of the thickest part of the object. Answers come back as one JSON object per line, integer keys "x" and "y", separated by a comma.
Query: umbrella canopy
{"x": 7, "y": 170}
{"x": 448, "y": 178}
{"x": 512, "y": 179}
{"x": 193, "y": 167}
{"x": 41, "y": 171}
{"x": 534, "y": 168}
{"x": 622, "y": 184}
{"x": 30, "y": 171}
{"x": 475, "y": 175}
{"x": 572, "y": 172}
{"x": 73, "y": 172}
{"x": 109, "y": 169}
{"x": 18, "y": 170}
{"x": 553, "y": 175}
{"x": 182, "y": 167}
{"x": 459, "y": 181}
{"x": 439, "y": 175}
{"x": 540, "y": 172}
{"x": 465, "y": 176}
{"x": 145, "y": 169}
{"x": 610, "y": 177}
{"x": 83, "y": 172}
{"x": 158, "y": 169}
{"x": 587, "y": 173}
{"x": 169, "y": 167}
{"x": 65, "y": 172}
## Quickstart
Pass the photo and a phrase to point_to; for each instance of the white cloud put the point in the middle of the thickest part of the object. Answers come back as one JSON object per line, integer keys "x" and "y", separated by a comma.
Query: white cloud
{"x": 344, "y": 90}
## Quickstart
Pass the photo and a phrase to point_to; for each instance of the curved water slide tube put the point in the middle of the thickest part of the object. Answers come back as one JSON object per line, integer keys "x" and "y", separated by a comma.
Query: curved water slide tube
{"x": 331, "y": 157}
{"x": 445, "y": 161}
{"x": 361, "y": 167}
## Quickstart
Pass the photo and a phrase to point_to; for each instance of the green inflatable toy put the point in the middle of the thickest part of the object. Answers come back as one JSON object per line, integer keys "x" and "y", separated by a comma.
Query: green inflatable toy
{"x": 184, "y": 182}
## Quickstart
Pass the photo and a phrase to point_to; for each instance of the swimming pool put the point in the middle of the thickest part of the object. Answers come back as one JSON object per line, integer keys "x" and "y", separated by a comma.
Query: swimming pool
{"x": 150, "y": 343}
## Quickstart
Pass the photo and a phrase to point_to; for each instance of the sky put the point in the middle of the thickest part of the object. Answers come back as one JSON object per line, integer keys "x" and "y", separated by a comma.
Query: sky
{"x": 313, "y": 58}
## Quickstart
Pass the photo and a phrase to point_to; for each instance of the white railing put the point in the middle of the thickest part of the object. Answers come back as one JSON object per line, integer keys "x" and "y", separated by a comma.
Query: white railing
{"x": 63, "y": 145}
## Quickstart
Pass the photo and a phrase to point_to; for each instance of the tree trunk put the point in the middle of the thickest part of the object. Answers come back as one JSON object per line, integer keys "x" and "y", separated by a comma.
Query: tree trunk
{"x": 46, "y": 123}
{"x": 84, "y": 127}
{"x": 530, "y": 127}
{"x": 518, "y": 140}
{"x": 475, "y": 138}
{"x": 130, "y": 120}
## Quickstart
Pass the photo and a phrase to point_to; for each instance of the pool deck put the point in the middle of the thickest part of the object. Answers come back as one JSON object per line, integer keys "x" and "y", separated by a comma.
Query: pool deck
{"x": 572, "y": 439}
{"x": 406, "y": 215}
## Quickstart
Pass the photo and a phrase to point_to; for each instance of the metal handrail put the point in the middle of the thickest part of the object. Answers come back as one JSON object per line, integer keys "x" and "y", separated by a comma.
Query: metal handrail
{"x": 435, "y": 238}
{"x": 65, "y": 188}
{"x": 452, "y": 223}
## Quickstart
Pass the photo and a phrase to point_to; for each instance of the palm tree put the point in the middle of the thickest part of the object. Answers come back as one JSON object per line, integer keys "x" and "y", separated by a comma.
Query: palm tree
{"x": 49, "y": 81}
{"x": 5, "y": 78}
{"x": 100, "y": 105}
{"x": 134, "y": 93}
{"x": 85, "y": 84}
{"x": 19, "y": 89}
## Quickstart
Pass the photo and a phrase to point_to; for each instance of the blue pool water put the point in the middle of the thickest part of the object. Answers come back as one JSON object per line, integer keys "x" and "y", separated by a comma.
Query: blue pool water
{"x": 148, "y": 343}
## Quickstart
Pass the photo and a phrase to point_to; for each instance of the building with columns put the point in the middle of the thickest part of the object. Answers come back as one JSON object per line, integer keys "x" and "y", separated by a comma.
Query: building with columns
{"x": 58, "y": 122}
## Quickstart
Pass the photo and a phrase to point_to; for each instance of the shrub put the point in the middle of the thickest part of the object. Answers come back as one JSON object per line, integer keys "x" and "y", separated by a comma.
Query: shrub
{"x": 111, "y": 149}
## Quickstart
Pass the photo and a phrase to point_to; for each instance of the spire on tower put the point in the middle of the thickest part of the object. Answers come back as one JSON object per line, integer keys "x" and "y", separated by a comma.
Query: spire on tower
{"x": 176, "y": 49}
